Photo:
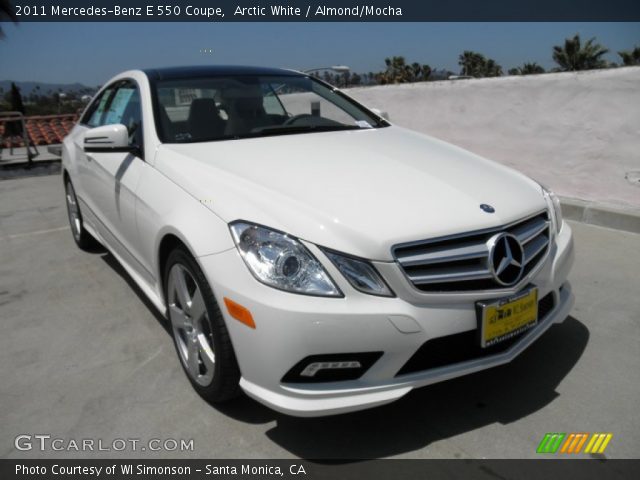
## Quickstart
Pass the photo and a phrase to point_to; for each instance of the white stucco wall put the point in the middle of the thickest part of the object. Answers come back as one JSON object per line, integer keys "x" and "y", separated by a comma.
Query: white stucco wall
{"x": 579, "y": 133}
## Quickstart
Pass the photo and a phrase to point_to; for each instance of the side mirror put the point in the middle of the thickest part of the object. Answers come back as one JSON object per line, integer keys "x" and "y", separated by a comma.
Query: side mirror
{"x": 108, "y": 138}
{"x": 380, "y": 113}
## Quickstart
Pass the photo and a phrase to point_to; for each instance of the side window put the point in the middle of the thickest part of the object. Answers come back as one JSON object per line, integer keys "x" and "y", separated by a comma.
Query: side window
{"x": 119, "y": 103}
{"x": 95, "y": 113}
{"x": 125, "y": 108}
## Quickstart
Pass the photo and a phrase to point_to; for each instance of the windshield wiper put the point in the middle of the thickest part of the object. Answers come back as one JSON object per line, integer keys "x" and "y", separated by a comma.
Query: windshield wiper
{"x": 272, "y": 131}
{"x": 267, "y": 131}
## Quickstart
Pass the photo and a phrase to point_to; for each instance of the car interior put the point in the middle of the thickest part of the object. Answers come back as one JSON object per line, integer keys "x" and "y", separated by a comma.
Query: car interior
{"x": 213, "y": 109}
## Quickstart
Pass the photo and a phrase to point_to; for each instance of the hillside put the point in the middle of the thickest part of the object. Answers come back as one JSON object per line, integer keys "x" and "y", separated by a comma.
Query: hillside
{"x": 26, "y": 88}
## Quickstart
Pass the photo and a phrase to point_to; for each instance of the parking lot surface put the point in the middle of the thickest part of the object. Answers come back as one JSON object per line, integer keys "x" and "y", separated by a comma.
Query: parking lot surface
{"x": 83, "y": 355}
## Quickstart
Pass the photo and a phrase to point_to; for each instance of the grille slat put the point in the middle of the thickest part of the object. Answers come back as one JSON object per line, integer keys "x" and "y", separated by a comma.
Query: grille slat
{"x": 529, "y": 230}
{"x": 534, "y": 247}
{"x": 454, "y": 274}
{"x": 446, "y": 254}
{"x": 460, "y": 263}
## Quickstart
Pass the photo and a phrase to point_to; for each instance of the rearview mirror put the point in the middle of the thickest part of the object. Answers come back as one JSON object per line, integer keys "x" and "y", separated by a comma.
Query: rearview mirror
{"x": 108, "y": 138}
{"x": 380, "y": 113}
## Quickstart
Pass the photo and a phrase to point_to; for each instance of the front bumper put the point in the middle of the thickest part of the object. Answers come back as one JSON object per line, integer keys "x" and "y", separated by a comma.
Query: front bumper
{"x": 291, "y": 327}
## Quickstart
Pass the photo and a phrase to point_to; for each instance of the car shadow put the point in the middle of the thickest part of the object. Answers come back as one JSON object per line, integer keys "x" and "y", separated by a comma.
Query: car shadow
{"x": 116, "y": 267}
{"x": 502, "y": 395}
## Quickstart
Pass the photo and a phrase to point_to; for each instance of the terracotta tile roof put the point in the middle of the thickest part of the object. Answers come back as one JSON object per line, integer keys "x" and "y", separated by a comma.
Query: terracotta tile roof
{"x": 42, "y": 129}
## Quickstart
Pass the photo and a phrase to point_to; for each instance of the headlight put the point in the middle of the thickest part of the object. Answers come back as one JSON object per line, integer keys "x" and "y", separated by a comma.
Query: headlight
{"x": 361, "y": 274}
{"x": 281, "y": 261}
{"x": 553, "y": 199}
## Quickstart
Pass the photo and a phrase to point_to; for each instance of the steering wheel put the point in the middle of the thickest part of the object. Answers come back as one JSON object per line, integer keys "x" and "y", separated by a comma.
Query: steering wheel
{"x": 295, "y": 118}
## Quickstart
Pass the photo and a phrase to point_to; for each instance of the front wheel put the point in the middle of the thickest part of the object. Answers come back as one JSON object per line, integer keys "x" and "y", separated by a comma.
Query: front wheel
{"x": 83, "y": 239}
{"x": 198, "y": 329}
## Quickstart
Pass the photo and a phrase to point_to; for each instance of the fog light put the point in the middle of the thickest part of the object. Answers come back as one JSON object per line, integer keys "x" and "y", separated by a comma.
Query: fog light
{"x": 314, "y": 367}
{"x": 331, "y": 367}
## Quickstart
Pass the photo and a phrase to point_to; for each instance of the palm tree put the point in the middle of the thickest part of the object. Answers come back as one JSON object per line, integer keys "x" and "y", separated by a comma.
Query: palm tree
{"x": 492, "y": 69}
{"x": 573, "y": 56}
{"x": 7, "y": 12}
{"x": 426, "y": 72}
{"x": 469, "y": 62}
{"x": 416, "y": 71}
{"x": 630, "y": 58}
{"x": 397, "y": 71}
{"x": 475, "y": 64}
{"x": 531, "y": 69}
{"x": 527, "y": 69}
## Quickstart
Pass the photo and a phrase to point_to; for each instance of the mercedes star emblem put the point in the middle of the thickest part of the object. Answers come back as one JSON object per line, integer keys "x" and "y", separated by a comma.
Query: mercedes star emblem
{"x": 485, "y": 207}
{"x": 506, "y": 258}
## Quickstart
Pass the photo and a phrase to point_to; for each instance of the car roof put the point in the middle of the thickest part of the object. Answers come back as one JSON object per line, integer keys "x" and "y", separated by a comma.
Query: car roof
{"x": 173, "y": 73}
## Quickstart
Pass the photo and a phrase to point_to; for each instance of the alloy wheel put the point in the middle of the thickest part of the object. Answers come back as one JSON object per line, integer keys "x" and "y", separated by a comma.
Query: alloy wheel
{"x": 191, "y": 326}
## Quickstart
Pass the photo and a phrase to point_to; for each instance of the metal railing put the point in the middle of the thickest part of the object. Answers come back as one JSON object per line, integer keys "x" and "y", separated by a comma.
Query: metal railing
{"x": 9, "y": 117}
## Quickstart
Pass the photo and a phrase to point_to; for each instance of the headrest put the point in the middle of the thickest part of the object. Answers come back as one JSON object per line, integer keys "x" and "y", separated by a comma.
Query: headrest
{"x": 203, "y": 108}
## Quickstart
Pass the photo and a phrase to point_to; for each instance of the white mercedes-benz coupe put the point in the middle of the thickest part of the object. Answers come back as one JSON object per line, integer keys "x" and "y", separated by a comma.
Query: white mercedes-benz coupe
{"x": 305, "y": 250}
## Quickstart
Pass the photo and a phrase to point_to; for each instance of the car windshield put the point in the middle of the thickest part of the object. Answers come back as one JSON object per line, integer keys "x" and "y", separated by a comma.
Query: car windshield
{"x": 246, "y": 106}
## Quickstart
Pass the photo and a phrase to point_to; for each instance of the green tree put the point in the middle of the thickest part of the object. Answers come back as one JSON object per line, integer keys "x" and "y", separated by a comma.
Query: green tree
{"x": 399, "y": 71}
{"x": 475, "y": 64}
{"x": 7, "y": 13}
{"x": 16, "y": 99}
{"x": 15, "y": 104}
{"x": 527, "y": 69}
{"x": 630, "y": 58}
{"x": 574, "y": 56}
{"x": 426, "y": 72}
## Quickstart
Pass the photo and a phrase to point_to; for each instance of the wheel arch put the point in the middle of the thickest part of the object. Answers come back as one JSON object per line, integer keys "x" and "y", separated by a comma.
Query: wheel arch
{"x": 168, "y": 243}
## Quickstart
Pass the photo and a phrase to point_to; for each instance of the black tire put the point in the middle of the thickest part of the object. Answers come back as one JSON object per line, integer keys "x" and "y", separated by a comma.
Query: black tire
{"x": 83, "y": 239}
{"x": 224, "y": 384}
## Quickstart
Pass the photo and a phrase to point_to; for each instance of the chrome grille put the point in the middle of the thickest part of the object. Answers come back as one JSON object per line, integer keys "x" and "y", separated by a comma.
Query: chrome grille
{"x": 460, "y": 263}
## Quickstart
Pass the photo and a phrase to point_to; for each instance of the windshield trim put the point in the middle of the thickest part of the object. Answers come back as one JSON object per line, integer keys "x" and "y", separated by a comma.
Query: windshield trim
{"x": 292, "y": 131}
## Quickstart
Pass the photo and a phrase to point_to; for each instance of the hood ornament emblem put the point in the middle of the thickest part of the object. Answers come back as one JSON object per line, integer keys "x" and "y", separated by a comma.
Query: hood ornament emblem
{"x": 485, "y": 207}
{"x": 506, "y": 258}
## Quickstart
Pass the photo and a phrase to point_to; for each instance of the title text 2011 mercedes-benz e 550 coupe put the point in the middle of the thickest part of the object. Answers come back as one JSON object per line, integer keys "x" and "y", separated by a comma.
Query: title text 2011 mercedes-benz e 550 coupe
{"x": 305, "y": 250}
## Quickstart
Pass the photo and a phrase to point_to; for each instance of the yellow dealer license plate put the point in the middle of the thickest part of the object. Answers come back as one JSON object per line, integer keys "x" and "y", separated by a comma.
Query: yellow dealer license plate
{"x": 508, "y": 317}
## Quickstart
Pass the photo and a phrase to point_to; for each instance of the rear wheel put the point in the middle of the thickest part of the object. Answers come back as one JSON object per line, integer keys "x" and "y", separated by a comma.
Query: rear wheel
{"x": 83, "y": 239}
{"x": 198, "y": 329}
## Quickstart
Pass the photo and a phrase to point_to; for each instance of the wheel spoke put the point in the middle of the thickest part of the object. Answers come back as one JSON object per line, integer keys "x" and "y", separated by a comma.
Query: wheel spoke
{"x": 178, "y": 318}
{"x": 181, "y": 289}
{"x": 197, "y": 308}
{"x": 193, "y": 364}
{"x": 206, "y": 354}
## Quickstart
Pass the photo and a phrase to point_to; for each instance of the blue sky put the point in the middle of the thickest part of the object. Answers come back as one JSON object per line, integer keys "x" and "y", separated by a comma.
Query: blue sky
{"x": 90, "y": 53}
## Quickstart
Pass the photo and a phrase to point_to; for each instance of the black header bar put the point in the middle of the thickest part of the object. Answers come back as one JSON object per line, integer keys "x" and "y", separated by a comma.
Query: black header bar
{"x": 327, "y": 11}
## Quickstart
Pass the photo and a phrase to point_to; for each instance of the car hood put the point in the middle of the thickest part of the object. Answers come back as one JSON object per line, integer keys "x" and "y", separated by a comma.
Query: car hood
{"x": 359, "y": 192}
